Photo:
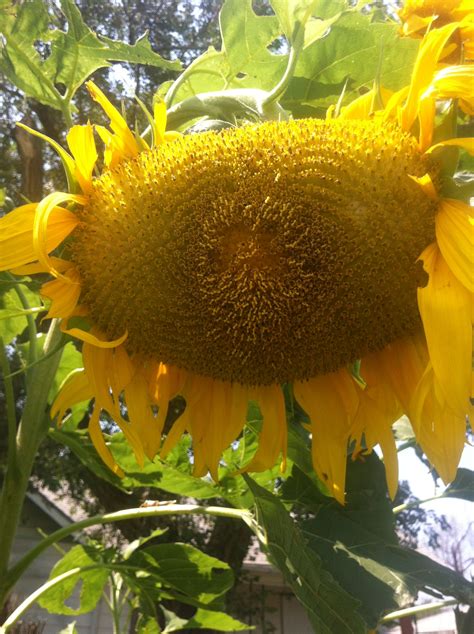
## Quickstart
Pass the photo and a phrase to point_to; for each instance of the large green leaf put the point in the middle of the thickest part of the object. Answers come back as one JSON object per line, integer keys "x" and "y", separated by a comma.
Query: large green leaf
{"x": 355, "y": 51}
{"x": 22, "y": 26}
{"x": 75, "y": 53}
{"x": 204, "y": 619}
{"x": 12, "y": 312}
{"x": 329, "y": 607}
{"x": 186, "y": 571}
{"x": 358, "y": 545}
{"x": 88, "y": 583}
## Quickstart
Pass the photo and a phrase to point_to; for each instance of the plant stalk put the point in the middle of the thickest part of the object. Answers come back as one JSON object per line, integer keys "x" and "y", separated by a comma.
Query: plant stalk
{"x": 31, "y": 432}
{"x": 155, "y": 511}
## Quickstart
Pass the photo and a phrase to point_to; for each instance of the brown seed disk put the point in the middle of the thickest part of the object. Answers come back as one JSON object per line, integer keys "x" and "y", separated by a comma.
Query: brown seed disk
{"x": 261, "y": 254}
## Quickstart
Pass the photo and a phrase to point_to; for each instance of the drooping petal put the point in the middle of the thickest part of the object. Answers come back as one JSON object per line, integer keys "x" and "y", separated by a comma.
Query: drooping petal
{"x": 121, "y": 370}
{"x": 331, "y": 402}
{"x": 36, "y": 267}
{"x": 378, "y": 409}
{"x": 75, "y": 389}
{"x": 80, "y": 139}
{"x": 141, "y": 415}
{"x": 465, "y": 143}
{"x": 41, "y": 229}
{"x": 455, "y": 237}
{"x": 439, "y": 431}
{"x": 425, "y": 67}
{"x": 403, "y": 363}
{"x": 273, "y": 437}
{"x": 64, "y": 293}
{"x": 445, "y": 307}
{"x": 165, "y": 382}
{"x": 97, "y": 437}
{"x": 456, "y": 82}
{"x": 16, "y": 234}
{"x": 90, "y": 338}
{"x": 97, "y": 363}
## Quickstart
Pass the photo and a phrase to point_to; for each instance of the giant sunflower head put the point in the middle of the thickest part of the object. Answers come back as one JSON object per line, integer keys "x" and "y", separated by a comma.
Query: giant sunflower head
{"x": 220, "y": 266}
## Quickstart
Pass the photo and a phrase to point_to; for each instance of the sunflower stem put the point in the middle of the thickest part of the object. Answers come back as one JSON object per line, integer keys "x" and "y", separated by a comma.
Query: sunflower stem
{"x": 415, "y": 503}
{"x": 419, "y": 609}
{"x": 31, "y": 431}
{"x": 155, "y": 511}
{"x": 9, "y": 403}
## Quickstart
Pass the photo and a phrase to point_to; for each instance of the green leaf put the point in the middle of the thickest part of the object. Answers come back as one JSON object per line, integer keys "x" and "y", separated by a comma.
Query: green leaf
{"x": 357, "y": 51}
{"x": 358, "y": 545}
{"x": 71, "y": 359}
{"x": 187, "y": 571}
{"x": 172, "y": 476}
{"x": 462, "y": 487}
{"x": 75, "y": 53}
{"x": 244, "y": 60}
{"x": 329, "y": 608}
{"x": 22, "y": 26}
{"x": 204, "y": 619}
{"x": 90, "y": 582}
{"x": 12, "y": 313}
{"x": 79, "y": 52}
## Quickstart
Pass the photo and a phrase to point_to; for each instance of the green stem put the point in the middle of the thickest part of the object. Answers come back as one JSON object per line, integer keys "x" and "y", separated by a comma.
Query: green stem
{"x": 114, "y": 607}
{"x": 415, "y": 503}
{"x": 10, "y": 405}
{"x": 32, "y": 332}
{"x": 155, "y": 511}
{"x": 279, "y": 90}
{"x": 31, "y": 432}
{"x": 419, "y": 609}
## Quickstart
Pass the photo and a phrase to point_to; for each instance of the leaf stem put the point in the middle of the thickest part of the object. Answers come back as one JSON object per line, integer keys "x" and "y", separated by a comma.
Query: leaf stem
{"x": 32, "y": 331}
{"x": 31, "y": 432}
{"x": 419, "y": 609}
{"x": 155, "y": 511}
{"x": 414, "y": 504}
{"x": 10, "y": 405}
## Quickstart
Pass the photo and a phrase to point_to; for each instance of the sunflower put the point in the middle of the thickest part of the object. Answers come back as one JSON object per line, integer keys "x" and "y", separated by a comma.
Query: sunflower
{"x": 316, "y": 254}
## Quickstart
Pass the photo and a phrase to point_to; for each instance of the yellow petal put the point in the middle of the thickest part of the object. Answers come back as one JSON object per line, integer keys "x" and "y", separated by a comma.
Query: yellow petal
{"x": 159, "y": 119}
{"x": 100, "y": 445}
{"x": 455, "y": 237}
{"x": 75, "y": 389}
{"x": 403, "y": 363}
{"x": 378, "y": 409}
{"x": 331, "y": 402}
{"x": 445, "y": 307}
{"x": 64, "y": 293}
{"x": 273, "y": 437}
{"x": 456, "y": 82}
{"x": 141, "y": 416}
{"x": 439, "y": 431}
{"x": 465, "y": 143}
{"x": 165, "y": 382}
{"x": 365, "y": 105}
{"x": 123, "y": 135}
{"x": 46, "y": 208}
{"x": 16, "y": 234}
{"x": 81, "y": 142}
{"x": 426, "y": 185}
{"x": 425, "y": 67}
{"x": 36, "y": 267}
{"x": 120, "y": 371}
{"x": 90, "y": 338}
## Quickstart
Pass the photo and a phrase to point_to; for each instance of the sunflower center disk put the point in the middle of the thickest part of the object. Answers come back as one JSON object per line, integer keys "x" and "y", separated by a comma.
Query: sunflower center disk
{"x": 262, "y": 254}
